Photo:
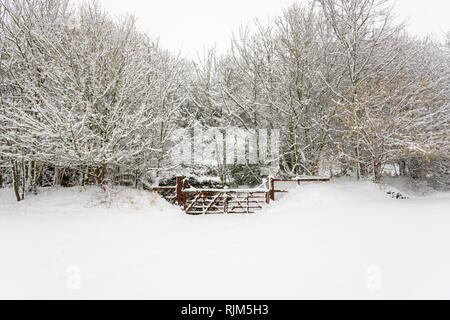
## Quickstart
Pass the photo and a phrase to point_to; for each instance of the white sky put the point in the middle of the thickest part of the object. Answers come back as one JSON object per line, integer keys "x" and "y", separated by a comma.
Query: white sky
{"x": 192, "y": 25}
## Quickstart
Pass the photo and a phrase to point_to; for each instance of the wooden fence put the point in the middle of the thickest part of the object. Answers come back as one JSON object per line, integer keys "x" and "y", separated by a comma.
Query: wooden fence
{"x": 224, "y": 201}
{"x": 273, "y": 189}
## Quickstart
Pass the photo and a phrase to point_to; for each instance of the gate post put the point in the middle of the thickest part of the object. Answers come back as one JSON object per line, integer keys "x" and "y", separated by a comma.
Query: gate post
{"x": 271, "y": 188}
{"x": 179, "y": 190}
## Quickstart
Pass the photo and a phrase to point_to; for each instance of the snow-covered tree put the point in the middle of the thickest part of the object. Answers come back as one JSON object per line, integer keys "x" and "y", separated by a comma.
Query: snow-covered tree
{"x": 83, "y": 92}
{"x": 88, "y": 98}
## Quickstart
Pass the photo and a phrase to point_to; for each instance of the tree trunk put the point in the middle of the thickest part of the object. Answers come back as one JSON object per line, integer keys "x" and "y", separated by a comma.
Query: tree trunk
{"x": 15, "y": 179}
{"x": 377, "y": 171}
{"x": 358, "y": 164}
{"x": 100, "y": 174}
{"x": 87, "y": 180}
{"x": 32, "y": 176}
{"x": 24, "y": 178}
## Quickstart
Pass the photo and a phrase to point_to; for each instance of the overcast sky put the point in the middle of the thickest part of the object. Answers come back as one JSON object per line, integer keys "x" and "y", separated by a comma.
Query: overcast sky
{"x": 192, "y": 25}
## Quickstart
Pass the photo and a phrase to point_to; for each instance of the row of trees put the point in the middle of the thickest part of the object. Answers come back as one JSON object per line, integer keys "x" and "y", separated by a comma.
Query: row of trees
{"x": 90, "y": 99}
{"x": 82, "y": 95}
{"x": 349, "y": 88}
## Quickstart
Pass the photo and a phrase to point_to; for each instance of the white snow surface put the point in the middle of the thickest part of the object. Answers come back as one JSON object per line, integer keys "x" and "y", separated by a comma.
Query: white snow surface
{"x": 341, "y": 239}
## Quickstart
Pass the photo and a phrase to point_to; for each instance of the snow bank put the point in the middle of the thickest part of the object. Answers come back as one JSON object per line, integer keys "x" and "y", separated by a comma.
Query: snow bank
{"x": 85, "y": 200}
{"x": 413, "y": 187}
{"x": 341, "y": 191}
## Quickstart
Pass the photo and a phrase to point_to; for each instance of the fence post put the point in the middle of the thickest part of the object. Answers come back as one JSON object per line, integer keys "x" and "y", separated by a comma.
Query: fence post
{"x": 272, "y": 188}
{"x": 225, "y": 204}
{"x": 179, "y": 190}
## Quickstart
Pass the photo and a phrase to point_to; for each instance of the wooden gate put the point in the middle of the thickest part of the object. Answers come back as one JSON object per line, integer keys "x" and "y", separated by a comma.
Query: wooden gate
{"x": 226, "y": 201}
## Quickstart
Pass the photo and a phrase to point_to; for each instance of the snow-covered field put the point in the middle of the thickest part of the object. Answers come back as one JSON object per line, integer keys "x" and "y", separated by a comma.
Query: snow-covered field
{"x": 342, "y": 239}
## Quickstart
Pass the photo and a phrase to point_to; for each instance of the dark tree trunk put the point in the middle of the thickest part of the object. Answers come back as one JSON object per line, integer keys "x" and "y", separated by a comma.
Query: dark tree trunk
{"x": 32, "y": 176}
{"x": 100, "y": 174}
{"x": 15, "y": 179}
{"x": 24, "y": 178}
{"x": 88, "y": 176}
{"x": 358, "y": 164}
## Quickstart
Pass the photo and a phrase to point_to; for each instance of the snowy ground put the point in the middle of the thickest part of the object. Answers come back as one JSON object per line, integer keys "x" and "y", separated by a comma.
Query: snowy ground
{"x": 341, "y": 239}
